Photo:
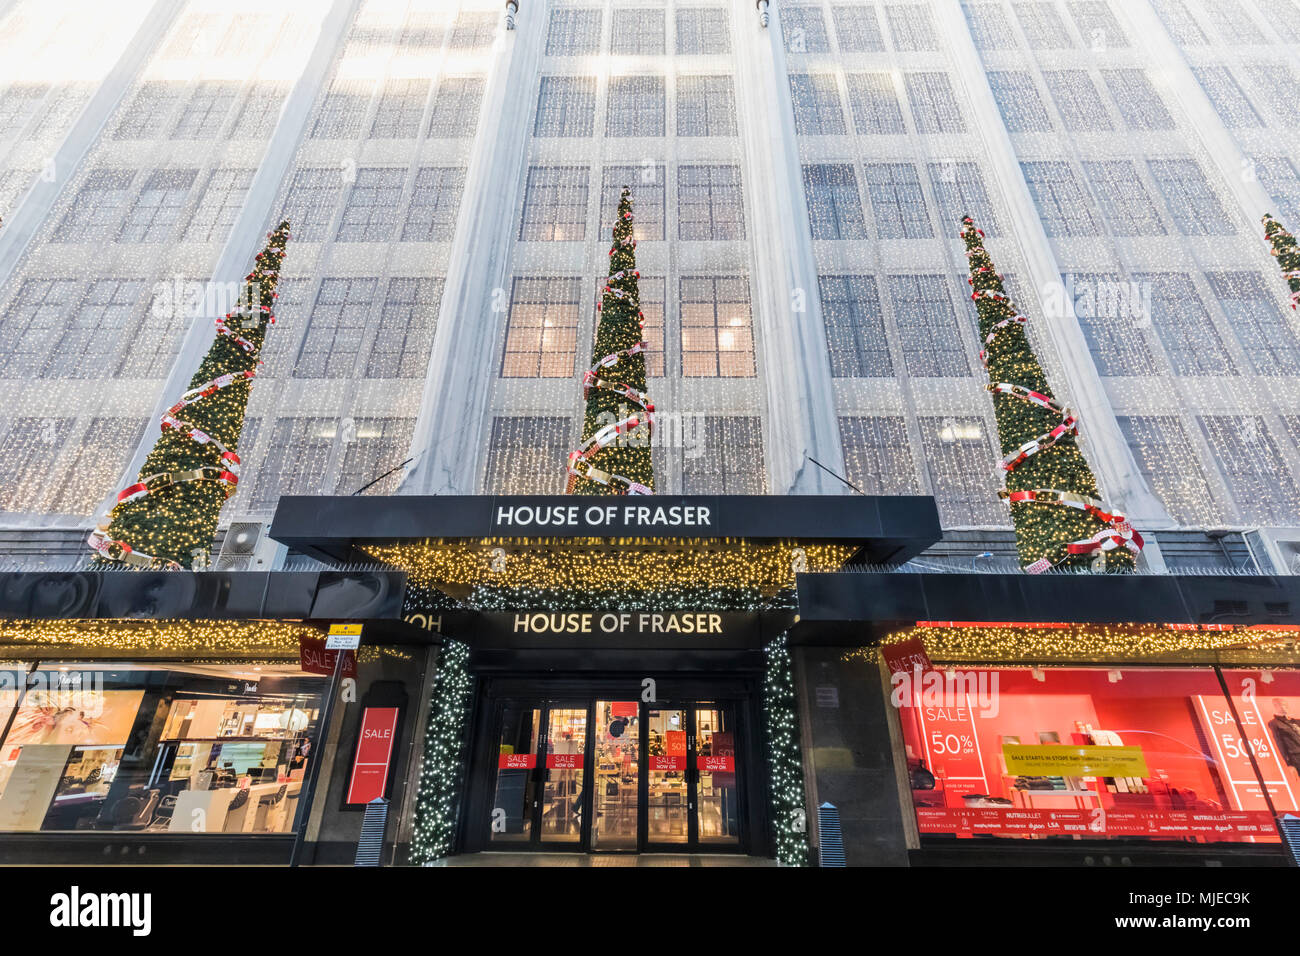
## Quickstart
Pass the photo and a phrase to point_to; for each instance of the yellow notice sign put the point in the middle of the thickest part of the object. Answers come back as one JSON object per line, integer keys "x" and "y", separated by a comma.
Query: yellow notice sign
{"x": 345, "y": 629}
{"x": 1055, "y": 760}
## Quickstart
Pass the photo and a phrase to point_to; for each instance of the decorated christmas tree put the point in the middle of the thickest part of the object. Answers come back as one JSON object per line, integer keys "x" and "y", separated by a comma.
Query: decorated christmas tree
{"x": 168, "y": 518}
{"x": 1052, "y": 492}
{"x": 1287, "y": 253}
{"x": 615, "y": 455}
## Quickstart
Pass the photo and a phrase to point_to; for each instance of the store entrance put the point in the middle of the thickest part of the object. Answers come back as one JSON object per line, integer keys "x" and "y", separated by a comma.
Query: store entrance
{"x": 616, "y": 776}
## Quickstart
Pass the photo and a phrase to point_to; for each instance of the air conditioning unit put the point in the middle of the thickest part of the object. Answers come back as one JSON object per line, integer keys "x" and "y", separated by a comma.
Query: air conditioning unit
{"x": 247, "y": 547}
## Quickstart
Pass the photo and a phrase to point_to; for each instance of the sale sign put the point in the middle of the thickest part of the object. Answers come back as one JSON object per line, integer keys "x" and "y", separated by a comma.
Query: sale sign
{"x": 623, "y": 708}
{"x": 667, "y": 762}
{"x": 564, "y": 761}
{"x": 901, "y": 657}
{"x": 374, "y": 754}
{"x": 1232, "y": 753}
{"x": 716, "y": 764}
{"x": 315, "y": 658}
{"x": 517, "y": 761}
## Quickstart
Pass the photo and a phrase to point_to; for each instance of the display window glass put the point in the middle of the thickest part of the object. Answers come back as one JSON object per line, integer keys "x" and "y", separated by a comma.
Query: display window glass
{"x": 191, "y": 749}
{"x": 1268, "y": 710}
{"x": 1085, "y": 753}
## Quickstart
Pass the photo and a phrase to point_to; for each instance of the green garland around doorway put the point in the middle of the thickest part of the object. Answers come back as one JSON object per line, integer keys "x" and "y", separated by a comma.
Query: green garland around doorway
{"x": 789, "y": 817}
{"x": 441, "y": 777}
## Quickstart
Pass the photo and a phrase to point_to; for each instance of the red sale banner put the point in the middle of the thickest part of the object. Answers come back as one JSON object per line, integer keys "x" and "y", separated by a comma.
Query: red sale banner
{"x": 315, "y": 659}
{"x": 1232, "y": 753}
{"x": 951, "y": 742}
{"x": 667, "y": 762}
{"x": 716, "y": 764}
{"x": 623, "y": 708}
{"x": 517, "y": 761}
{"x": 564, "y": 761}
{"x": 903, "y": 656}
{"x": 374, "y": 754}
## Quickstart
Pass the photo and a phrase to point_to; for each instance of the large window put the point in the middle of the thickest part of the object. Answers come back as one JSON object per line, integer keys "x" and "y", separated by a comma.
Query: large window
{"x": 874, "y": 102}
{"x": 717, "y": 328}
{"x": 959, "y": 187}
{"x": 343, "y": 111}
{"x": 1259, "y": 481}
{"x": 1018, "y": 101}
{"x": 103, "y": 322}
{"x": 527, "y": 455}
{"x": 1229, "y": 101}
{"x": 100, "y": 456}
{"x": 731, "y": 462}
{"x": 834, "y": 206}
{"x": 911, "y": 27}
{"x": 456, "y": 107}
{"x": 897, "y": 201}
{"x": 706, "y": 106}
{"x": 855, "y": 328}
{"x": 1138, "y": 101}
{"x": 217, "y": 210}
{"x": 857, "y": 28}
{"x": 1184, "y": 326}
{"x": 817, "y": 110}
{"x": 158, "y": 207}
{"x": 405, "y": 333}
{"x": 98, "y": 208}
{"x": 1063, "y": 206}
{"x": 1098, "y": 753}
{"x": 1261, "y": 327}
{"x": 155, "y": 748}
{"x": 542, "y": 330}
{"x": 1171, "y": 467}
{"x": 709, "y": 203}
{"x": 1043, "y": 26}
{"x": 637, "y": 32}
{"x": 1193, "y": 204}
{"x": 635, "y": 106}
{"x": 702, "y": 31}
{"x": 804, "y": 29}
{"x": 1124, "y": 200}
{"x": 206, "y": 111}
{"x": 573, "y": 32}
{"x": 927, "y": 326}
{"x": 431, "y": 215}
{"x": 933, "y": 104}
{"x": 337, "y": 327}
{"x": 647, "y": 185}
{"x": 566, "y": 106}
{"x": 878, "y": 455}
{"x": 1097, "y": 24}
{"x": 309, "y": 207}
{"x": 960, "y": 461}
{"x": 374, "y": 206}
{"x": 1278, "y": 176}
{"x": 1111, "y": 312}
{"x": 296, "y": 461}
{"x": 400, "y": 110}
{"x": 555, "y": 203}
{"x": 1077, "y": 100}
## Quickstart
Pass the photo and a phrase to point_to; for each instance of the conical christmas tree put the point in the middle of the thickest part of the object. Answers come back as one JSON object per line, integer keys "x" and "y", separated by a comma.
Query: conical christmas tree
{"x": 1287, "y": 253}
{"x": 615, "y": 455}
{"x": 1058, "y": 518}
{"x": 168, "y": 518}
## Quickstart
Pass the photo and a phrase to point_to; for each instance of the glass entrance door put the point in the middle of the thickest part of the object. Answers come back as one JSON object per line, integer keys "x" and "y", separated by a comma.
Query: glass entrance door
{"x": 541, "y": 773}
{"x": 611, "y": 776}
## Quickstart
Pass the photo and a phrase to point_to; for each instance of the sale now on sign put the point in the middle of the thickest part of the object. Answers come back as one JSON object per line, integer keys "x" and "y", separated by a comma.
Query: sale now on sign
{"x": 716, "y": 764}
{"x": 564, "y": 761}
{"x": 517, "y": 762}
{"x": 667, "y": 762}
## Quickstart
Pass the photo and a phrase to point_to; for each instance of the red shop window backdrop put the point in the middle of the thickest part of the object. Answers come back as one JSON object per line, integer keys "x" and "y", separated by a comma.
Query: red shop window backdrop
{"x": 1026, "y": 752}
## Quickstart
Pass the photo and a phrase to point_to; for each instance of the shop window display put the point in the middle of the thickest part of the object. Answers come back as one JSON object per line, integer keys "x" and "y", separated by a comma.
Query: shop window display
{"x": 182, "y": 749}
{"x": 1098, "y": 753}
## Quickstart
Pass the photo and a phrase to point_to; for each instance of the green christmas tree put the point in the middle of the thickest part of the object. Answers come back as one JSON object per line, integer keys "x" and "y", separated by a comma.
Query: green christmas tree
{"x": 168, "y": 518}
{"x": 1287, "y": 253}
{"x": 615, "y": 455}
{"x": 1052, "y": 492}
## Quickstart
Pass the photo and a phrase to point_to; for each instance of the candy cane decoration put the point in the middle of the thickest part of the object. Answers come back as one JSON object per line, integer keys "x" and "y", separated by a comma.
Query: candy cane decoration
{"x": 579, "y": 460}
{"x": 1117, "y": 532}
{"x": 225, "y": 469}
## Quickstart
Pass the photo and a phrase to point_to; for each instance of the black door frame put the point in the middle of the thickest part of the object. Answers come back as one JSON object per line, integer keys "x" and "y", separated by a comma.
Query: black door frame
{"x": 741, "y": 690}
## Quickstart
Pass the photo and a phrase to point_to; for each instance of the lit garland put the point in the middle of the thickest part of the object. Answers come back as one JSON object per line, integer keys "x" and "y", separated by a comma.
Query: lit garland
{"x": 611, "y": 432}
{"x": 277, "y": 640}
{"x": 1052, "y": 492}
{"x": 497, "y": 574}
{"x": 785, "y": 761}
{"x": 1098, "y": 643}
{"x": 1287, "y": 254}
{"x": 438, "y": 800}
{"x": 168, "y": 518}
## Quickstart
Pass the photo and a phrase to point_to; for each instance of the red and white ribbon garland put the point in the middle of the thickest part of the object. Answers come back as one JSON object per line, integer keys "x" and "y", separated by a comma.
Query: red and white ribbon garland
{"x": 1118, "y": 532}
{"x": 225, "y": 472}
{"x": 579, "y": 460}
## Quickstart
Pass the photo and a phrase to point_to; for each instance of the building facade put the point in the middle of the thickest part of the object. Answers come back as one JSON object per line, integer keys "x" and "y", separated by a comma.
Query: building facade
{"x": 450, "y": 170}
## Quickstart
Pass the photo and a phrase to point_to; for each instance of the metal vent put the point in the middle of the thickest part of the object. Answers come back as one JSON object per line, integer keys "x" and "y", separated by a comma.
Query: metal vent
{"x": 242, "y": 537}
{"x": 830, "y": 838}
{"x": 236, "y": 562}
{"x": 1289, "y": 827}
{"x": 371, "y": 844}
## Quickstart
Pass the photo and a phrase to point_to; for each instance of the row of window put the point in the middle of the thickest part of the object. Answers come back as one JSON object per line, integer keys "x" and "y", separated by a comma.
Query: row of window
{"x": 717, "y": 334}
{"x": 33, "y": 111}
{"x": 635, "y": 106}
{"x": 639, "y": 32}
{"x": 167, "y": 109}
{"x": 858, "y": 28}
{"x": 719, "y": 455}
{"x": 874, "y": 103}
{"x": 1276, "y": 85}
{"x": 1077, "y": 100}
{"x": 1043, "y": 25}
{"x": 452, "y": 108}
{"x": 1226, "y": 21}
